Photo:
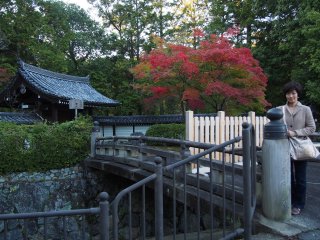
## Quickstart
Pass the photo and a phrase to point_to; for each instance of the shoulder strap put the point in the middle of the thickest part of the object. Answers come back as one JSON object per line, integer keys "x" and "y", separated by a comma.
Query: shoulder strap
{"x": 284, "y": 115}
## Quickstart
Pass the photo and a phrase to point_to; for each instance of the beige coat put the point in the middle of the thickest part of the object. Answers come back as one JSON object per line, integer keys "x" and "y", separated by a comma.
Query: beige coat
{"x": 300, "y": 121}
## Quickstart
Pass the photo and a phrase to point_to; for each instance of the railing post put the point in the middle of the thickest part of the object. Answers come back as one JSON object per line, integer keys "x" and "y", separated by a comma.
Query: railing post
{"x": 185, "y": 153}
{"x": 276, "y": 173}
{"x": 158, "y": 193}
{"x": 104, "y": 216}
{"x": 247, "y": 187}
{"x": 94, "y": 134}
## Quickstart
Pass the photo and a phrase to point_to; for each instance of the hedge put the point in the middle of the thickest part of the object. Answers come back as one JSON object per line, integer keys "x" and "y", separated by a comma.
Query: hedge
{"x": 43, "y": 146}
{"x": 173, "y": 130}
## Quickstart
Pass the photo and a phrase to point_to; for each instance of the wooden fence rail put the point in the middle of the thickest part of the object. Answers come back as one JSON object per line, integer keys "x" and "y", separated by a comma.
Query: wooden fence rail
{"x": 221, "y": 128}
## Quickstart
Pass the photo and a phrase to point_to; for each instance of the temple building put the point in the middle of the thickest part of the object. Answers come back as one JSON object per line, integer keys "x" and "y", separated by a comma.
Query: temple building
{"x": 51, "y": 95}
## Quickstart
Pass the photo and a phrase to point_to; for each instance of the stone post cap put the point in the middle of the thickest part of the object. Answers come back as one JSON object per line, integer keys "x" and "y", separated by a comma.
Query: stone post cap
{"x": 96, "y": 127}
{"x": 276, "y": 128}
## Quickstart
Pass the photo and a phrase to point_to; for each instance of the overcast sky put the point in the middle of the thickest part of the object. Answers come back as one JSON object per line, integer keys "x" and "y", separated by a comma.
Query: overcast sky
{"x": 82, "y": 3}
{"x": 86, "y": 6}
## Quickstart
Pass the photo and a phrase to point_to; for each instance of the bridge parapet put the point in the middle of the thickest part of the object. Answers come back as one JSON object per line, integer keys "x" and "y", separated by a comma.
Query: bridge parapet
{"x": 198, "y": 181}
{"x": 141, "y": 151}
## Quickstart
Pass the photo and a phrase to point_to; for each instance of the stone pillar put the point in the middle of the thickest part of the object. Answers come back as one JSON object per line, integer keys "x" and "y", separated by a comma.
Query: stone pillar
{"x": 94, "y": 134}
{"x": 276, "y": 173}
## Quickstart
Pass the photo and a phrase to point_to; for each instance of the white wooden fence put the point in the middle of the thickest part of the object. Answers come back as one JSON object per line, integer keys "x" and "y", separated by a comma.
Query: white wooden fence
{"x": 221, "y": 128}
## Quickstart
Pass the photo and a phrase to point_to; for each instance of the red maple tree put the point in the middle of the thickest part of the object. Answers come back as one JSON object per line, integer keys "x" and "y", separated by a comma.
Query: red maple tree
{"x": 214, "y": 77}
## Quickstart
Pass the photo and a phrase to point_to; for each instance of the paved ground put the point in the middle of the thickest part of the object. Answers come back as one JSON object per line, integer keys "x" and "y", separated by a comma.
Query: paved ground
{"x": 305, "y": 226}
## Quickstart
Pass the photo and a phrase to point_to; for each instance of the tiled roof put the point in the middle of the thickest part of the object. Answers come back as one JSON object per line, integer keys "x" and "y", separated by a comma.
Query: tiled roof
{"x": 62, "y": 86}
{"x": 143, "y": 119}
{"x": 20, "y": 118}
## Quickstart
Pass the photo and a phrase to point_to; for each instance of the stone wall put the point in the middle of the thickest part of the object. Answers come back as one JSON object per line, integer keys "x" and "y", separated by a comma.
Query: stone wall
{"x": 63, "y": 189}
{"x": 78, "y": 188}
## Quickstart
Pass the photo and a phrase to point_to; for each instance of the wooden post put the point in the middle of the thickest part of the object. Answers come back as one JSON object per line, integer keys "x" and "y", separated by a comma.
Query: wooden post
{"x": 222, "y": 116}
{"x": 252, "y": 117}
{"x": 189, "y": 126}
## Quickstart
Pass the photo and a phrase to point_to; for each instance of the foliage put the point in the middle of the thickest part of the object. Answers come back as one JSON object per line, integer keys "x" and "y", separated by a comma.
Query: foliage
{"x": 41, "y": 147}
{"x": 76, "y": 35}
{"x": 277, "y": 45}
{"x": 310, "y": 54}
{"x": 282, "y": 35}
{"x": 115, "y": 81}
{"x": 6, "y": 71}
{"x": 188, "y": 17}
{"x": 50, "y": 34}
{"x": 175, "y": 131}
{"x": 234, "y": 14}
{"x": 128, "y": 19}
{"x": 213, "y": 77}
{"x": 134, "y": 22}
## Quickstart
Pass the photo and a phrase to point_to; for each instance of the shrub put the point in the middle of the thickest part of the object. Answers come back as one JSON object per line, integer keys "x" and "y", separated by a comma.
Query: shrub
{"x": 43, "y": 146}
{"x": 173, "y": 130}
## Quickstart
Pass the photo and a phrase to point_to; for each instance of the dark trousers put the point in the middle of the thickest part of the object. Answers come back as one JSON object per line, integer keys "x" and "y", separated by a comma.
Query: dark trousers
{"x": 298, "y": 183}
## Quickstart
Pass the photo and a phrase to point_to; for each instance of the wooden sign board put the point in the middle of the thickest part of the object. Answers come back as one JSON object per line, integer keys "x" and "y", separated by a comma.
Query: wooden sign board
{"x": 75, "y": 104}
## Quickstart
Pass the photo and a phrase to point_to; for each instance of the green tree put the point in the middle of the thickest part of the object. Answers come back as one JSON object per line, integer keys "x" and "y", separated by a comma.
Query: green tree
{"x": 188, "y": 16}
{"x": 129, "y": 20}
{"x": 282, "y": 35}
{"x": 115, "y": 81}
{"x": 19, "y": 22}
{"x": 50, "y": 34}
{"x": 286, "y": 44}
{"x": 308, "y": 70}
{"x": 73, "y": 32}
{"x": 239, "y": 14}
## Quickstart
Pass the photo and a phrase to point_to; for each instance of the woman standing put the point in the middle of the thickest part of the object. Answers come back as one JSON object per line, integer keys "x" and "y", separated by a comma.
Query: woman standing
{"x": 300, "y": 122}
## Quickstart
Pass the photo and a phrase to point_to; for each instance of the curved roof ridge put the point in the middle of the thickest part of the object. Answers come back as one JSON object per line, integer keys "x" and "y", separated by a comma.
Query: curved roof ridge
{"x": 30, "y": 68}
{"x": 61, "y": 86}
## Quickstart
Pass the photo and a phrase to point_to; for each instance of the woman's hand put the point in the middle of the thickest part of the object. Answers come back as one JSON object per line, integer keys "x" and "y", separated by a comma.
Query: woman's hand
{"x": 291, "y": 133}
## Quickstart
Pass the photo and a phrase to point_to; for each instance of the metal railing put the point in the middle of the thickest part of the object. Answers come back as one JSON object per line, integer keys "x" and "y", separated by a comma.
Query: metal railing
{"x": 102, "y": 210}
{"x": 192, "y": 196}
{"x": 249, "y": 176}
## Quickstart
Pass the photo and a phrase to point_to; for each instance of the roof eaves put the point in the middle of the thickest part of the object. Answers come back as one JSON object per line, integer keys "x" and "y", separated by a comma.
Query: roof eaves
{"x": 30, "y": 68}
{"x": 52, "y": 96}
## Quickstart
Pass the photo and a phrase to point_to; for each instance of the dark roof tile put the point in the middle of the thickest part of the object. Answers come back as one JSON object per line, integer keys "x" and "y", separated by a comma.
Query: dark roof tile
{"x": 62, "y": 86}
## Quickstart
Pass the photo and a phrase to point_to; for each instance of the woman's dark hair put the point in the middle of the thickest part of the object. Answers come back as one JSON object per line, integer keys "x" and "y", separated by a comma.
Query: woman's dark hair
{"x": 292, "y": 86}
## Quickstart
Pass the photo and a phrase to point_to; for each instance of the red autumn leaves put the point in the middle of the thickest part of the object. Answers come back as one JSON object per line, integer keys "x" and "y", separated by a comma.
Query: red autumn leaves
{"x": 215, "y": 74}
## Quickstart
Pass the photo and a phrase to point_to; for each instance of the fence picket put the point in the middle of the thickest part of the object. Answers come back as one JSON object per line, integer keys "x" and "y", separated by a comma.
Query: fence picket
{"x": 212, "y": 133}
{"x": 196, "y": 133}
{"x": 216, "y": 130}
{"x": 201, "y": 130}
{"x": 207, "y": 131}
{"x": 227, "y": 135}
